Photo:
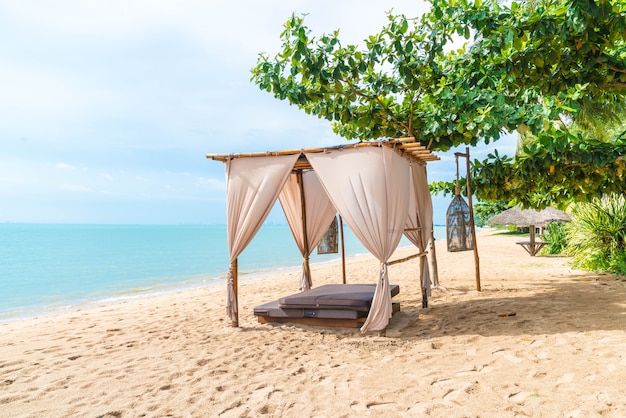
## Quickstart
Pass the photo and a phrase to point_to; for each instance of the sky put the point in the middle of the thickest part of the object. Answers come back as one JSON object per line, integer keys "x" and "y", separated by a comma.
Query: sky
{"x": 107, "y": 109}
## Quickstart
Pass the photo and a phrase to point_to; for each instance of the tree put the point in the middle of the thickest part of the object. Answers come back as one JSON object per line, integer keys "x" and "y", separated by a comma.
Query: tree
{"x": 588, "y": 152}
{"x": 525, "y": 67}
{"x": 485, "y": 210}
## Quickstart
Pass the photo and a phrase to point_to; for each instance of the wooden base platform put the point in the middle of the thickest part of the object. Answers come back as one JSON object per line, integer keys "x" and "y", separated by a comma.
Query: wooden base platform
{"x": 323, "y": 322}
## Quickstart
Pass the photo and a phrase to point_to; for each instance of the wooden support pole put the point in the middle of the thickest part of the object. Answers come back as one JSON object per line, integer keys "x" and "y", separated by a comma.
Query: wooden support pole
{"x": 306, "y": 267}
{"x": 234, "y": 268}
{"x": 424, "y": 291}
{"x": 410, "y": 257}
{"x": 471, "y": 213}
{"x": 433, "y": 259}
{"x": 469, "y": 198}
{"x": 422, "y": 249}
{"x": 343, "y": 251}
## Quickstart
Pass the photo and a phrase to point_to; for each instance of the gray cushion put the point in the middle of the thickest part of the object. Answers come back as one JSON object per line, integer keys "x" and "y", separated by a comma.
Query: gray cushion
{"x": 356, "y": 297}
{"x": 272, "y": 309}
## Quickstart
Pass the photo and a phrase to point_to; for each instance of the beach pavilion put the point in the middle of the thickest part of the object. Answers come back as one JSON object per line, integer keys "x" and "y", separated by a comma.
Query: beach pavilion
{"x": 532, "y": 219}
{"x": 379, "y": 188}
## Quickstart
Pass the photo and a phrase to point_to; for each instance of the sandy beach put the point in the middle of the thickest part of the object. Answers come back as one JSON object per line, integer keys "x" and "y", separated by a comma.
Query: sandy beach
{"x": 540, "y": 340}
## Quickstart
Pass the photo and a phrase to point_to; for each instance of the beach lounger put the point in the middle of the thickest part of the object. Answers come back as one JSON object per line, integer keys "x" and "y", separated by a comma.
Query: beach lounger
{"x": 342, "y": 305}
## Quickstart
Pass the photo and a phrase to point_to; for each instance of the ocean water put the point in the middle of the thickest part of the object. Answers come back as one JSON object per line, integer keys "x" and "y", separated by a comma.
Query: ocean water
{"x": 48, "y": 268}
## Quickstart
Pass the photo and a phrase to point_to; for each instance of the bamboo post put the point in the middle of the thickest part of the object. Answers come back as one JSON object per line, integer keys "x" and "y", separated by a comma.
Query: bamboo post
{"x": 469, "y": 198}
{"x": 343, "y": 251}
{"x": 422, "y": 249}
{"x": 424, "y": 292}
{"x": 433, "y": 259}
{"x": 304, "y": 229}
{"x": 407, "y": 258}
{"x": 234, "y": 269}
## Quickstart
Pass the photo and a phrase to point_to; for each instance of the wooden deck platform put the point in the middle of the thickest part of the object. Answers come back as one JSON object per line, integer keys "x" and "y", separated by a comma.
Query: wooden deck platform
{"x": 323, "y": 322}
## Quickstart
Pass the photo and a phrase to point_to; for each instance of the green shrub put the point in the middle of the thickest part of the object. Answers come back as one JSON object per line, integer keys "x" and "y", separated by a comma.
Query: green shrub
{"x": 556, "y": 238}
{"x": 597, "y": 235}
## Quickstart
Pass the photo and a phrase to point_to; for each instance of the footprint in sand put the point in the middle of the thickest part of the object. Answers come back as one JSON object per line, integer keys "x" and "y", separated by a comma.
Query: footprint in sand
{"x": 519, "y": 397}
{"x": 566, "y": 378}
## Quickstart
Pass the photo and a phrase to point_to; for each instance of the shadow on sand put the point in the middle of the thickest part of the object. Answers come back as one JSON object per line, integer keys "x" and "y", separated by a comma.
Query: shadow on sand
{"x": 586, "y": 303}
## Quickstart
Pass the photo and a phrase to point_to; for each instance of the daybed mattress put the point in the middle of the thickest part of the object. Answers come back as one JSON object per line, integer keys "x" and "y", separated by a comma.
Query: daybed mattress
{"x": 273, "y": 309}
{"x": 356, "y": 297}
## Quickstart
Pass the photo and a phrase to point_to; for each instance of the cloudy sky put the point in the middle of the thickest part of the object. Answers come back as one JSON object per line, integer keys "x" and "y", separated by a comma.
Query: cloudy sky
{"x": 107, "y": 108}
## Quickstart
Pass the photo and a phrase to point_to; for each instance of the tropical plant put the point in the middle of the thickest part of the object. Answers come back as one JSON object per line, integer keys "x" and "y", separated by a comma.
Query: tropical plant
{"x": 602, "y": 120}
{"x": 556, "y": 238}
{"x": 522, "y": 67}
{"x": 596, "y": 235}
{"x": 600, "y": 128}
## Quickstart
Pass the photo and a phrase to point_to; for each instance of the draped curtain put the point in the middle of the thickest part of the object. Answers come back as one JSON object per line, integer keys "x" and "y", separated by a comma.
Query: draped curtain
{"x": 252, "y": 187}
{"x": 370, "y": 188}
{"x": 319, "y": 214}
{"x": 420, "y": 215}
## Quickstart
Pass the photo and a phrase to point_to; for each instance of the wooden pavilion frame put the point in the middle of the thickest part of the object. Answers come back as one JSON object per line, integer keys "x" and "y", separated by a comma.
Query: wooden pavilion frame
{"x": 406, "y": 147}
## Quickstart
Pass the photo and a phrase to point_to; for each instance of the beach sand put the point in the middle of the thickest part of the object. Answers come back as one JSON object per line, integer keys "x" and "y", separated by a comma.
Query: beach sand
{"x": 540, "y": 340}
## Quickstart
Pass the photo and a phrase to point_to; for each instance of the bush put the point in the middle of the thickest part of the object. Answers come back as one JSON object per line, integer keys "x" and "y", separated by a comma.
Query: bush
{"x": 556, "y": 238}
{"x": 597, "y": 235}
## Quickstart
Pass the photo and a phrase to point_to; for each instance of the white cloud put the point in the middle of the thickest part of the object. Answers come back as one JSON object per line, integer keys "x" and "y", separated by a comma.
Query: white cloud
{"x": 118, "y": 102}
{"x": 210, "y": 184}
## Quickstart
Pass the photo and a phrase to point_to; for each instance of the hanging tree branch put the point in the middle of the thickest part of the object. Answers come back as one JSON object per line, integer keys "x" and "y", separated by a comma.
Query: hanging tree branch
{"x": 523, "y": 66}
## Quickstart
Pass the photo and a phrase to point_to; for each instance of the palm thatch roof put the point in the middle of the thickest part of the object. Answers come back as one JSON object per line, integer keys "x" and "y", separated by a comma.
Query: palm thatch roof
{"x": 529, "y": 217}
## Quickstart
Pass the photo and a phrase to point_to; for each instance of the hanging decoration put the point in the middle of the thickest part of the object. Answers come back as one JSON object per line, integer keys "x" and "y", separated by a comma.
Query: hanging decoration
{"x": 459, "y": 229}
{"x": 329, "y": 244}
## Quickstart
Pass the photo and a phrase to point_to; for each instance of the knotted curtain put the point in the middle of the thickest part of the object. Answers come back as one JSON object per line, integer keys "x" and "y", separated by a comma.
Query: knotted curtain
{"x": 252, "y": 187}
{"x": 319, "y": 211}
{"x": 370, "y": 188}
{"x": 420, "y": 215}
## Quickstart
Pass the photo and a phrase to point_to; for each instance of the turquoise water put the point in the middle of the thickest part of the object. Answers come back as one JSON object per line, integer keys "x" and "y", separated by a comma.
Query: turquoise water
{"x": 46, "y": 268}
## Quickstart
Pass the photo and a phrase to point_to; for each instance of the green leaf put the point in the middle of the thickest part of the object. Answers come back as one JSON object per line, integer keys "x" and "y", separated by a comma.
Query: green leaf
{"x": 404, "y": 26}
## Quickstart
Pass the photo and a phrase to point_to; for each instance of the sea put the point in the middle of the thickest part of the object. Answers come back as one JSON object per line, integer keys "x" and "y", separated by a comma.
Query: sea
{"x": 52, "y": 268}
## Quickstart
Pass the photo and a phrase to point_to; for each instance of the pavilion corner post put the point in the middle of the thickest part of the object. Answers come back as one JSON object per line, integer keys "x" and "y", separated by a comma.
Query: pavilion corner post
{"x": 343, "y": 251}
{"x": 305, "y": 232}
{"x": 433, "y": 259}
{"x": 471, "y": 213}
{"x": 422, "y": 251}
{"x": 235, "y": 273}
{"x": 422, "y": 268}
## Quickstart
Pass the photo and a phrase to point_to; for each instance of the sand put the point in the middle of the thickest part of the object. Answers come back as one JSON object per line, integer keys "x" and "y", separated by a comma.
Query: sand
{"x": 540, "y": 340}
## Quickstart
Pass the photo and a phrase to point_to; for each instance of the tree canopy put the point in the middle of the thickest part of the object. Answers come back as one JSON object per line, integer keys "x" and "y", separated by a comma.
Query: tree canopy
{"x": 467, "y": 72}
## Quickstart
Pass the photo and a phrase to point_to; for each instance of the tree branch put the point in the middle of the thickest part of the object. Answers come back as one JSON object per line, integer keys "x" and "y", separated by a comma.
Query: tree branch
{"x": 377, "y": 99}
{"x": 617, "y": 70}
{"x": 616, "y": 84}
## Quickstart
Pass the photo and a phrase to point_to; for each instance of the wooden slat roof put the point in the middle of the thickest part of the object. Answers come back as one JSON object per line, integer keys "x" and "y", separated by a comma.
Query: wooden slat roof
{"x": 406, "y": 146}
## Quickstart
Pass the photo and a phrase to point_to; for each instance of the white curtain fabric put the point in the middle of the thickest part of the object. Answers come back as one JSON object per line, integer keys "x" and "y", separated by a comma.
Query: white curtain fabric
{"x": 370, "y": 188}
{"x": 319, "y": 211}
{"x": 420, "y": 215}
{"x": 252, "y": 187}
